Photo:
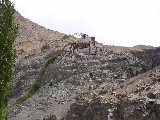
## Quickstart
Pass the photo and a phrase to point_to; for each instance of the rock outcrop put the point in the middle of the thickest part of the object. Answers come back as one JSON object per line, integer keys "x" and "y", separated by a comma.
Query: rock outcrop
{"x": 149, "y": 56}
{"x": 135, "y": 99}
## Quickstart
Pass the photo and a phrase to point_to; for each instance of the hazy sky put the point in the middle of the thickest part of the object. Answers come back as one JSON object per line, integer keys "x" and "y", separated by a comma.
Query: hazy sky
{"x": 112, "y": 22}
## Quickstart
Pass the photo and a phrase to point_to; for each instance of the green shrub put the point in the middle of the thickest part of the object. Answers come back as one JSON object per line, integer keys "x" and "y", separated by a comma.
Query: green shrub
{"x": 31, "y": 92}
{"x": 51, "y": 60}
{"x": 22, "y": 99}
{"x": 36, "y": 86}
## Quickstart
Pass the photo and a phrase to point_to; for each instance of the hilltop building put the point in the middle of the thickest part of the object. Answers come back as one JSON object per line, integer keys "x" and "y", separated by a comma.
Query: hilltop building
{"x": 86, "y": 39}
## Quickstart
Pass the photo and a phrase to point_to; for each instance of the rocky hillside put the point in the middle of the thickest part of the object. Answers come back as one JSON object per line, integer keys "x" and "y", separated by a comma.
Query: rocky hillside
{"x": 149, "y": 56}
{"x": 135, "y": 99}
{"x": 81, "y": 79}
{"x": 35, "y": 45}
{"x": 36, "y": 39}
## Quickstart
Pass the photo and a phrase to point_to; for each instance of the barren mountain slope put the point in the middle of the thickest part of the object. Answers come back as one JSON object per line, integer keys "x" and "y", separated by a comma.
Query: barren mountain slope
{"x": 33, "y": 38}
{"x": 135, "y": 99}
{"x": 35, "y": 45}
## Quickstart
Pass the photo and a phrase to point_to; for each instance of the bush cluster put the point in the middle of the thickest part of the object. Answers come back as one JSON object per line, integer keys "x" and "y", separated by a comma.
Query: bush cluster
{"x": 36, "y": 85}
{"x": 31, "y": 92}
{"x": 51, "y": 60}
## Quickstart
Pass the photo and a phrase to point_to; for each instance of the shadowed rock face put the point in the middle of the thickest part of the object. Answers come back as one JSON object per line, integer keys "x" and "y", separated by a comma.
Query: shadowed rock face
{"x": 150, "y": 56}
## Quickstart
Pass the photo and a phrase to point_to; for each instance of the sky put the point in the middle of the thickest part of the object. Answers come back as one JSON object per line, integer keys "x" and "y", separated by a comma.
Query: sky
{"x": 112, "y": 22}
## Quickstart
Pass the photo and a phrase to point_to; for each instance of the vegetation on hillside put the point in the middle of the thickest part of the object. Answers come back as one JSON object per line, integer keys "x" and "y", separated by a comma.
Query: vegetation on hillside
{"x": 50, "y": 61}
{"x": 37, "y": 84}
{"x": 31, "y": 92}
